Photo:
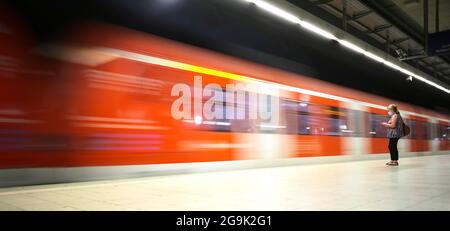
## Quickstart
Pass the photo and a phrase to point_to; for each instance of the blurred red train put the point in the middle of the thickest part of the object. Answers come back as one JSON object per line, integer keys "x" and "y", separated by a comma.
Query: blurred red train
{"x": 102, "y": 97}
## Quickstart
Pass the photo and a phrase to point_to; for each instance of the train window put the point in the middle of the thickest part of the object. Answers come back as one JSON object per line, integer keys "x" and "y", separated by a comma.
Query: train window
{"x": 314, "y": 119}
{"x": 376, "y": 129}
{"x": 239, "y": 114}
{"x": 304, "y": 123}
{"x": 303, "y": 118}
{"x": 354, "y": 125}
{"x": 335, "y": 121}
{"x": 426, "y": 131}
{"x": 217, "y": 124}
{"x": 237, "y": 118}
{"x": 344, "y": 127}
{"x": 443, "y": 132}
{"x": 315, "y": 125}
{"x": 267, "y": 126}
{"x": 307, "y": 118}
{"x": 419, "y": 130}
{"x": 412, "y": 125}
{"x": 291, "y": 114}
{"x": 303, "y": 107}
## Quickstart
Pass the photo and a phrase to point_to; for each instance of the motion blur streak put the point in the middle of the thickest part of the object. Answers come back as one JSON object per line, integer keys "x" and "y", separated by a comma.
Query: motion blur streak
{"x": 101, "y": 96}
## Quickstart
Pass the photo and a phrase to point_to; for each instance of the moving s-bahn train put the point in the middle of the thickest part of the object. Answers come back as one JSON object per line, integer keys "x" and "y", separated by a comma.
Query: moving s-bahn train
{"x": 104, "y": 96}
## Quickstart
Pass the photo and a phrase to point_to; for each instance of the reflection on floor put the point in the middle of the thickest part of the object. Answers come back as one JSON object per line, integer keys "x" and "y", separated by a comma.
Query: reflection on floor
{"x": 419, "y": 183}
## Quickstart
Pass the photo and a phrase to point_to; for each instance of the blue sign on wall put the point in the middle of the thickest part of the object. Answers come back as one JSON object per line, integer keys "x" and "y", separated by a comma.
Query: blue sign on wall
{"x": 439, "y": 43}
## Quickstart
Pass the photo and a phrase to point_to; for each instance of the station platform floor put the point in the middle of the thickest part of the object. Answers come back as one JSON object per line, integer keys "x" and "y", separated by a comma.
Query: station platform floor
{"x": 419, "y": 183}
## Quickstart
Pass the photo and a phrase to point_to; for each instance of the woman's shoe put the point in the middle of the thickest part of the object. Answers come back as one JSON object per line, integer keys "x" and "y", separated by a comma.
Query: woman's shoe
{"x": 392, "y": 163}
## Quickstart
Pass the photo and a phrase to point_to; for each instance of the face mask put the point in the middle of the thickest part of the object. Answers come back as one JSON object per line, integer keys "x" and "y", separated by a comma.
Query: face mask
{"x": 390, "y": 113}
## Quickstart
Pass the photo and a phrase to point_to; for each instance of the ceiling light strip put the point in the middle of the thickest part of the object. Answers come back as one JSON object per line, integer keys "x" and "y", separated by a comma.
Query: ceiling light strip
{"x": 313, "y": 28}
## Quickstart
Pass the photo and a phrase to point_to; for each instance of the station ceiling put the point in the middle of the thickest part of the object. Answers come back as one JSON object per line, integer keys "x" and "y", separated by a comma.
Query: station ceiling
{"x": 414, "y": 9}
{"x": 395, "y": 26}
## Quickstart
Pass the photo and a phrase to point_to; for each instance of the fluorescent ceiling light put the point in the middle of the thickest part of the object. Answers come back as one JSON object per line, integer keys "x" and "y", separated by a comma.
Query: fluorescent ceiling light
{"x": 351, "y": 46}
{"x": 317, "y": 30}
{"x": 407, "y": 72}
{"x": 275, "y": 10}
{"x": 374, "y": 57}
{"x": 294, "y": 19}
{"x": 291, "y": 18}
{"x": 391, "y": 65}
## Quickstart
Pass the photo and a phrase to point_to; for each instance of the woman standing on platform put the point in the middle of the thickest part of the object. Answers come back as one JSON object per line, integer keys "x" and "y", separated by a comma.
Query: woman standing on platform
{"x": 394, "y": 126}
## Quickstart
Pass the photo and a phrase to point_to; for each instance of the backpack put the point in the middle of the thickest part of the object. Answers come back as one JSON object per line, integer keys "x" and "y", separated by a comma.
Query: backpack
{"x": 406, "y": 130}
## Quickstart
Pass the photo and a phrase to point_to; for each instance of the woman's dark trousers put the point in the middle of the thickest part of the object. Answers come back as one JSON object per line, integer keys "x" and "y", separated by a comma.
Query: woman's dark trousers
{"x": 393, "y": 148}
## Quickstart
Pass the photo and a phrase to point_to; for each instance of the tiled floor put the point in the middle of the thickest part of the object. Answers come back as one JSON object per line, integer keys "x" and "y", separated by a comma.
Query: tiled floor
{"x": 419, "y": 183}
